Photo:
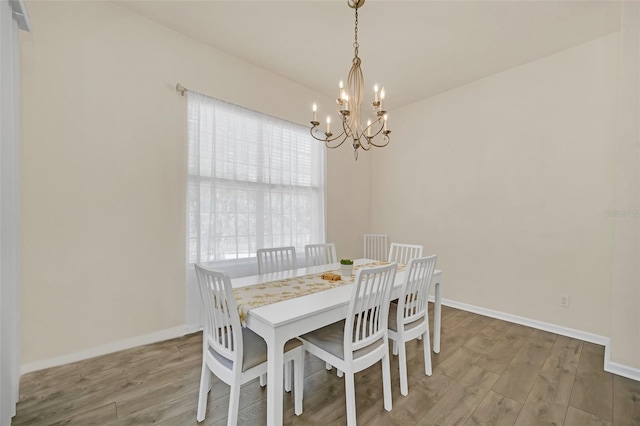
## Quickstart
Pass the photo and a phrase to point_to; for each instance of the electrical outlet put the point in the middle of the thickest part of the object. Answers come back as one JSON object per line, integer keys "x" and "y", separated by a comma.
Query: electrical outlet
{"x": 564, "y": 300}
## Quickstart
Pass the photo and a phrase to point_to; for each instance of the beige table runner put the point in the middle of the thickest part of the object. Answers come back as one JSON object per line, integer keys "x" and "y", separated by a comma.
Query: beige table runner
{"x": 257, "y": 295}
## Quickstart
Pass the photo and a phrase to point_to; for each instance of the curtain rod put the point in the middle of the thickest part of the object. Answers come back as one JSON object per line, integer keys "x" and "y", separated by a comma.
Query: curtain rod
{"x": 180, "y": 88}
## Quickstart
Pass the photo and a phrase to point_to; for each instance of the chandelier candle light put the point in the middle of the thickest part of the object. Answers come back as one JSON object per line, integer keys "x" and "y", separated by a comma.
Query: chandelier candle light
{"x": 349, "y": 107}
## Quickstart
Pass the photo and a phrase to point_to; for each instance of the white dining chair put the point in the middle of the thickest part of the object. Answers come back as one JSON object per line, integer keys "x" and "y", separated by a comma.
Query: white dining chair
{"x": 272, "y": 260}
{"x": 235, "y": 354}
{"x": 361, "y": 340}
{"x": 320, "y": 254}
{"x": 409, "y": 318}
{"x": 402, "y": 253}
{"x": 276, "y": 259}
{"x": 375, "y": 246}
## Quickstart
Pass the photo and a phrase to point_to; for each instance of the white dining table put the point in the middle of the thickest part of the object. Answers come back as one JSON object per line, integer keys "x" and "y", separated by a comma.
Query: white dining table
{"x": 279, "y": 322}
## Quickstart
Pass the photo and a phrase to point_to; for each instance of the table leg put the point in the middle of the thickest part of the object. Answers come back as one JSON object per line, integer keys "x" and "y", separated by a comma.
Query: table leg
{"x": 437, "y": 314}
{"x": 275, "y": 373}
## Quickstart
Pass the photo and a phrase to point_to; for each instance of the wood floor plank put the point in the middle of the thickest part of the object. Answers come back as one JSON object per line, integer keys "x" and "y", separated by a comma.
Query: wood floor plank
{"x": 540, "y": 412}
{"x": 495, "y": 410}
{"x": 457, "y": 405}
{"x": 497, "y": 358}
{"x": 480, "y": 343}
{"x": 185, "y": 419}
{"x": 456, "y": 365}
{"x": 547, "y": 402}
{"x": 454, "y": 338}
{"x": 457, "y": 319}
{"x": 592, "y": 392}
{"x": 162, "y": 411}
{"x": 424, "y": 392}
{"x": 65, "y": 403}
{"x": 105, "y": 415}
{"x": 498, "y": 326}
{"x": 555, "y": 381}
{"x": 593, "y": 387}
{"x": 567, "y": 349}
{"x": 518, "y": 379}
{"x": 254, "y": 414}
{"x": 577, "y": 417}
{"x": 158, "y": 395}
{"x": 543, "y": 337}
{"x": 50, "y": 393}
{"x": 47, "y": 381}
{"x": 141, "y": 370}
{"x": 368, "y": 394}
{"x": 626, "y": 407}
{"x": 593, "y": 348}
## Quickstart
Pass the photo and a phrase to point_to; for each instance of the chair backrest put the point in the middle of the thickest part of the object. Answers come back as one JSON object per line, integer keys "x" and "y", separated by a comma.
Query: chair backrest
{"x": 276, "y": 259}
{"x": 320, "y": 254}
{"x": 222, "y": 331}
{"x": 402, "y": 253}
{"x": 375, "y": 246}
{"x": 368, "y": 314}
{"x": 412, "y": 305}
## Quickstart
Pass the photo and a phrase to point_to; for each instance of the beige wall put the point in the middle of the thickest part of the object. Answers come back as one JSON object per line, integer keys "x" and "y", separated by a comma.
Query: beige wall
{"x": 625, "y": 292}
{"x": 104, "y": 171}
{"x": 349, "y": 200}
{"x": 507, "y": 179}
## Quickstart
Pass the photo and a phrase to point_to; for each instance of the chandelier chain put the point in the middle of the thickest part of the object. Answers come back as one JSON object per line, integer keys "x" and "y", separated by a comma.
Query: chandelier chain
{"x": 356, "y": 45}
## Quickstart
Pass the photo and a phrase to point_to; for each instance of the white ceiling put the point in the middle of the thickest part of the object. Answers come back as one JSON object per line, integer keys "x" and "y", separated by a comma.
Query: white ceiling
{"x": 415, "y": 49}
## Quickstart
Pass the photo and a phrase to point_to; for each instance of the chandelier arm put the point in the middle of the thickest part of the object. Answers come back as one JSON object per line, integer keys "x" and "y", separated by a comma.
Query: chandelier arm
{"x": 385, "y": 138}
{"x": 328, "y": 139}
{"x": 368, "y": 145}
{"x": 344, "y": 138}
{"x": 347, "y": 129}
{"x": 374, "y": 135}
{"x": 327, "y": 142}
{"x": 370, "y": 126}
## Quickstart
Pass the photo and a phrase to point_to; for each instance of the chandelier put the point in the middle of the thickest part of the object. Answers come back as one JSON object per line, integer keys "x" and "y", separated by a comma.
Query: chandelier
{"x": 349, "y": 104}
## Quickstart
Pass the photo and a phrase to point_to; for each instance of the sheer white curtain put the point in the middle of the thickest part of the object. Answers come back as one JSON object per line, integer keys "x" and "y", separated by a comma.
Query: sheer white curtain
{"x": 12, "y": 18}
{"x": 255, "y": 181}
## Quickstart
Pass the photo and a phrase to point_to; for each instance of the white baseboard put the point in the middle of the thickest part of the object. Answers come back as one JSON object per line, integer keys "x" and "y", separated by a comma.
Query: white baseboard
{"x": 620, "y": 369}
{"x": 158, "y": 336}
{"x": 540, "y": 325}
{"x": 612, "y": 367}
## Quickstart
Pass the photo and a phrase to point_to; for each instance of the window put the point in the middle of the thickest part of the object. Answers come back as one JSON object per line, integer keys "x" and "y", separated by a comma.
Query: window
{"x": 255, "y": 181}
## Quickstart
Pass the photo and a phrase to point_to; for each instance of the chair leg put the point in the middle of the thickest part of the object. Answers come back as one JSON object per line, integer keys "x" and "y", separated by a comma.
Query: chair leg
{"x": 263, "y": 380}
{"x": 328, "y": 366}
{"x": 427, "y": 353}
{"x": 287, "y": 376}
{"x": 395, "y": 347}
{"x": 234, "y": 402}
{"x": 205, "y": 386}
{"x": 350, "y": 390}
{"x": 298, "y": 375}
{"x": 402, "y": 362}
{"x": 386, "y": 382}
{"x": 340, "y": 373}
